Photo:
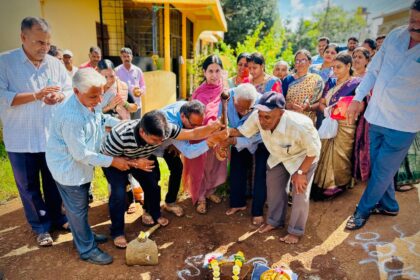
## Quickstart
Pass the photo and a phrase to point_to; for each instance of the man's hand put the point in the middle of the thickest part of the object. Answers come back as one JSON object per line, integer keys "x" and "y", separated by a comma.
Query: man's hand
{"x": 46, "y": 91}
{"x": 120, "y": 163}
{"x": 137, "y": 92}
{"x": 299, "y": 182}
{"x": 143, "y": 164}
{"x": 216, "y": 125}
{"x": 53, "y": 98}
{"x": 217, "y": 137}
{"x": 353, "y": 111}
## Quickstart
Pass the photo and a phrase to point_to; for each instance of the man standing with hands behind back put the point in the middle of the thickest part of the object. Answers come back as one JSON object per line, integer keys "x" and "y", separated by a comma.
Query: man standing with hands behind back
{"x": 31, "y": 84}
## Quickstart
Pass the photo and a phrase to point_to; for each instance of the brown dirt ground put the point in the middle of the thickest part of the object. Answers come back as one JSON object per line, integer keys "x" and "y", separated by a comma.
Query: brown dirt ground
{"x": 386, "y": 248}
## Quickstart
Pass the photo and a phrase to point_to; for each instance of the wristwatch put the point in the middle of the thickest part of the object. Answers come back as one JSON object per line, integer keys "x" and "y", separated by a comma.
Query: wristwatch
{"x": 300, "y": 172}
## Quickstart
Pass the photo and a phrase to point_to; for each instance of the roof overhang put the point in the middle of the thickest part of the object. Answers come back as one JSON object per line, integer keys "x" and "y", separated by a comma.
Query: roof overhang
{"x": 207, "y": 12}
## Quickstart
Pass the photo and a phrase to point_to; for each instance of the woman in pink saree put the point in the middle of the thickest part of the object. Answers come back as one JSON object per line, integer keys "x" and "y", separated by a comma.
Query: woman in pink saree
{"x": 202, "y": 175}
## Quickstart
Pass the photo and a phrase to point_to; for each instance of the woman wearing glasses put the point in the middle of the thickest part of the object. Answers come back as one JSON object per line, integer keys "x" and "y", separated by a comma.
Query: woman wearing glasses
{"x": 303, "y": 89}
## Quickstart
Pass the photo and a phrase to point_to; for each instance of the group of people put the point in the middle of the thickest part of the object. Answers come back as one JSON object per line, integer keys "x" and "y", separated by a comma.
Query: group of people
{"x": 60, "y": 123}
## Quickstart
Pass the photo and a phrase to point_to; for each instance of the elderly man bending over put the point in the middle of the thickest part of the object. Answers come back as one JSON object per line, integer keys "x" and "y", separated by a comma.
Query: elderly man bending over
{"x": 294, "y": 147}
{"x": 72, "y": 152}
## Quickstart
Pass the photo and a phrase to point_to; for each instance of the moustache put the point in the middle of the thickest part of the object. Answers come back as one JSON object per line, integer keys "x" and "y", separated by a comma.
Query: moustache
{"x": 414, "y": 30}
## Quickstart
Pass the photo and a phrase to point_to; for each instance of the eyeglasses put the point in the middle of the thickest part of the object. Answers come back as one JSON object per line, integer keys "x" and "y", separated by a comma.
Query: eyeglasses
{"x": 193, "y": 125}
{"x": 301, "y": 61}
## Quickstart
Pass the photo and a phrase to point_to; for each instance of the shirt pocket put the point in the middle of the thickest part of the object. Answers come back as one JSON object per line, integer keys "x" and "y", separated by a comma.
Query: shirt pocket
{"x": 409, "y": 73}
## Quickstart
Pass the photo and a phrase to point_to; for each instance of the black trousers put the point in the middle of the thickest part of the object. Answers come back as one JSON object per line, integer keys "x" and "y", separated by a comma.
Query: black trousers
{"x": 117, "y": 201}
{"x": 175, "y": 166}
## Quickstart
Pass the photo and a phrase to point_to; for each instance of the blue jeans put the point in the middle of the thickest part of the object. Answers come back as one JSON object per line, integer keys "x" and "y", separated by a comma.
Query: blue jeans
{"x": 41, "y": 212}
{"x": 76, "y": 202}
{"x": 388, "y": 148}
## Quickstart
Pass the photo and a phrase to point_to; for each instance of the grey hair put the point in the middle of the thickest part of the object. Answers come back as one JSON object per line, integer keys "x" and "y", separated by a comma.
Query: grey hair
{"x": 29, "y": 22}
{"x": 126, "y": 50}
{"x": 246, "y": 92}
{"x": 193, "y": 107}
{"x": 282, "y": 62}
{"x": 86, "y": 78}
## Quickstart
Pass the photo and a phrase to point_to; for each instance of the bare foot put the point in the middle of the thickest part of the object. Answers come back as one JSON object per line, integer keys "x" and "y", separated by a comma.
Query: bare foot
{"x": 214, "y": 198}
{"x": 266, "y": 228}
{"x": 120, "y": 242}
{"x": 174, "y": 208}
{"x": 201, "y": 207}
{"x": 232, "y": 211}
{"x": 163, "y": 221}
{"x": 258, "y": 220}
{"x": 290, "y": 239}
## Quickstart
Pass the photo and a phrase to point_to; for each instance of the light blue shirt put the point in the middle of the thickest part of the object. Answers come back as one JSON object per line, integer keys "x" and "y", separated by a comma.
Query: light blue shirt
{"x": 74, "y": 142}
{"x": 235, "y": 121}
{"x": 173, "y": 115}
{"x": 317, "y": 59}
{"x": 394, "y": 75}
{"x": 25, "y": 127}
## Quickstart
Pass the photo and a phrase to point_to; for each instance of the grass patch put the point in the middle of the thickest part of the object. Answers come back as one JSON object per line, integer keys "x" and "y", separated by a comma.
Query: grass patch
{"x": 8, "y": 189}
{"x": 100, "y": 184}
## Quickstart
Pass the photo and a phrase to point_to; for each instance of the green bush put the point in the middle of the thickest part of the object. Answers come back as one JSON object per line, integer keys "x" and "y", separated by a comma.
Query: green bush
{"x": 273, "y": 47}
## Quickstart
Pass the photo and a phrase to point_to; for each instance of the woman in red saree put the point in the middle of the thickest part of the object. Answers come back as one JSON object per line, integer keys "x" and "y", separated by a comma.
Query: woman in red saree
{"x": 202, "y": 175}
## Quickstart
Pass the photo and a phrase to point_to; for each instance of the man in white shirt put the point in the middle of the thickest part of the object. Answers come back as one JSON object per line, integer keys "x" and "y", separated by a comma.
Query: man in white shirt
{"x": 68, "y": 63}
{"x": 31, "y": 84}
{"x": 133, "y": 77}
{"x": 294, "y": 147}
{"x": 393, "y": 114}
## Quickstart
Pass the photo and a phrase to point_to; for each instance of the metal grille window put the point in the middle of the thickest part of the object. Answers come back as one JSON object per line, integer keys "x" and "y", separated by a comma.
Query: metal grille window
{"x": 176, "y": 33}
{"x": 130, "y": 24}
{"x": 190, "y": 36}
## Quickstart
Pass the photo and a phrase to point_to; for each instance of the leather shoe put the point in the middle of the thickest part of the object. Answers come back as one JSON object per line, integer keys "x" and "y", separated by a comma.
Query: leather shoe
{"x": 97, "y": 256}
{"x": 100, "y": 238}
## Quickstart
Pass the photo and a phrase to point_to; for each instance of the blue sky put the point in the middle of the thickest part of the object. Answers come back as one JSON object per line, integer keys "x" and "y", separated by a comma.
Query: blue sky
{"x": 295, "y": 9}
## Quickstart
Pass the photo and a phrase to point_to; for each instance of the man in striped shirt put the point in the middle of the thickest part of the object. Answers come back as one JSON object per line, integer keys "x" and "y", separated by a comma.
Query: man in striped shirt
{"x": 137, "y": 140}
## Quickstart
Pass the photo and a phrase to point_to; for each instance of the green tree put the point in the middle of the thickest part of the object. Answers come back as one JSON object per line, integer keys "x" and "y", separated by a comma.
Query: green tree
{"x": 243, "y": 17}
{"x": 338, "y": 24}
{"x": 334, "y": 23}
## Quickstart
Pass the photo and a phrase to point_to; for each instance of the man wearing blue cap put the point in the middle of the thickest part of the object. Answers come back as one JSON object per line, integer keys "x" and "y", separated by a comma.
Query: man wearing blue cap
{"x": 294, "y": 147}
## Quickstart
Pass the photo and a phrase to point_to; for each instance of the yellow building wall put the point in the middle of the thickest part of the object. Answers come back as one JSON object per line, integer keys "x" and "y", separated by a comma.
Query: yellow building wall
{"x": 73, "y": 25}
{"x": 160, "y": 90}
{"x": 11, "y": 15}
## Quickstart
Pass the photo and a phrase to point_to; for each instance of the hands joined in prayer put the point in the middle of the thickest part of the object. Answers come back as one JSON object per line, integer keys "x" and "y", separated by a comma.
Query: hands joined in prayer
{"x": 117, "y": 100}
{"x": 50, "y": 95}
